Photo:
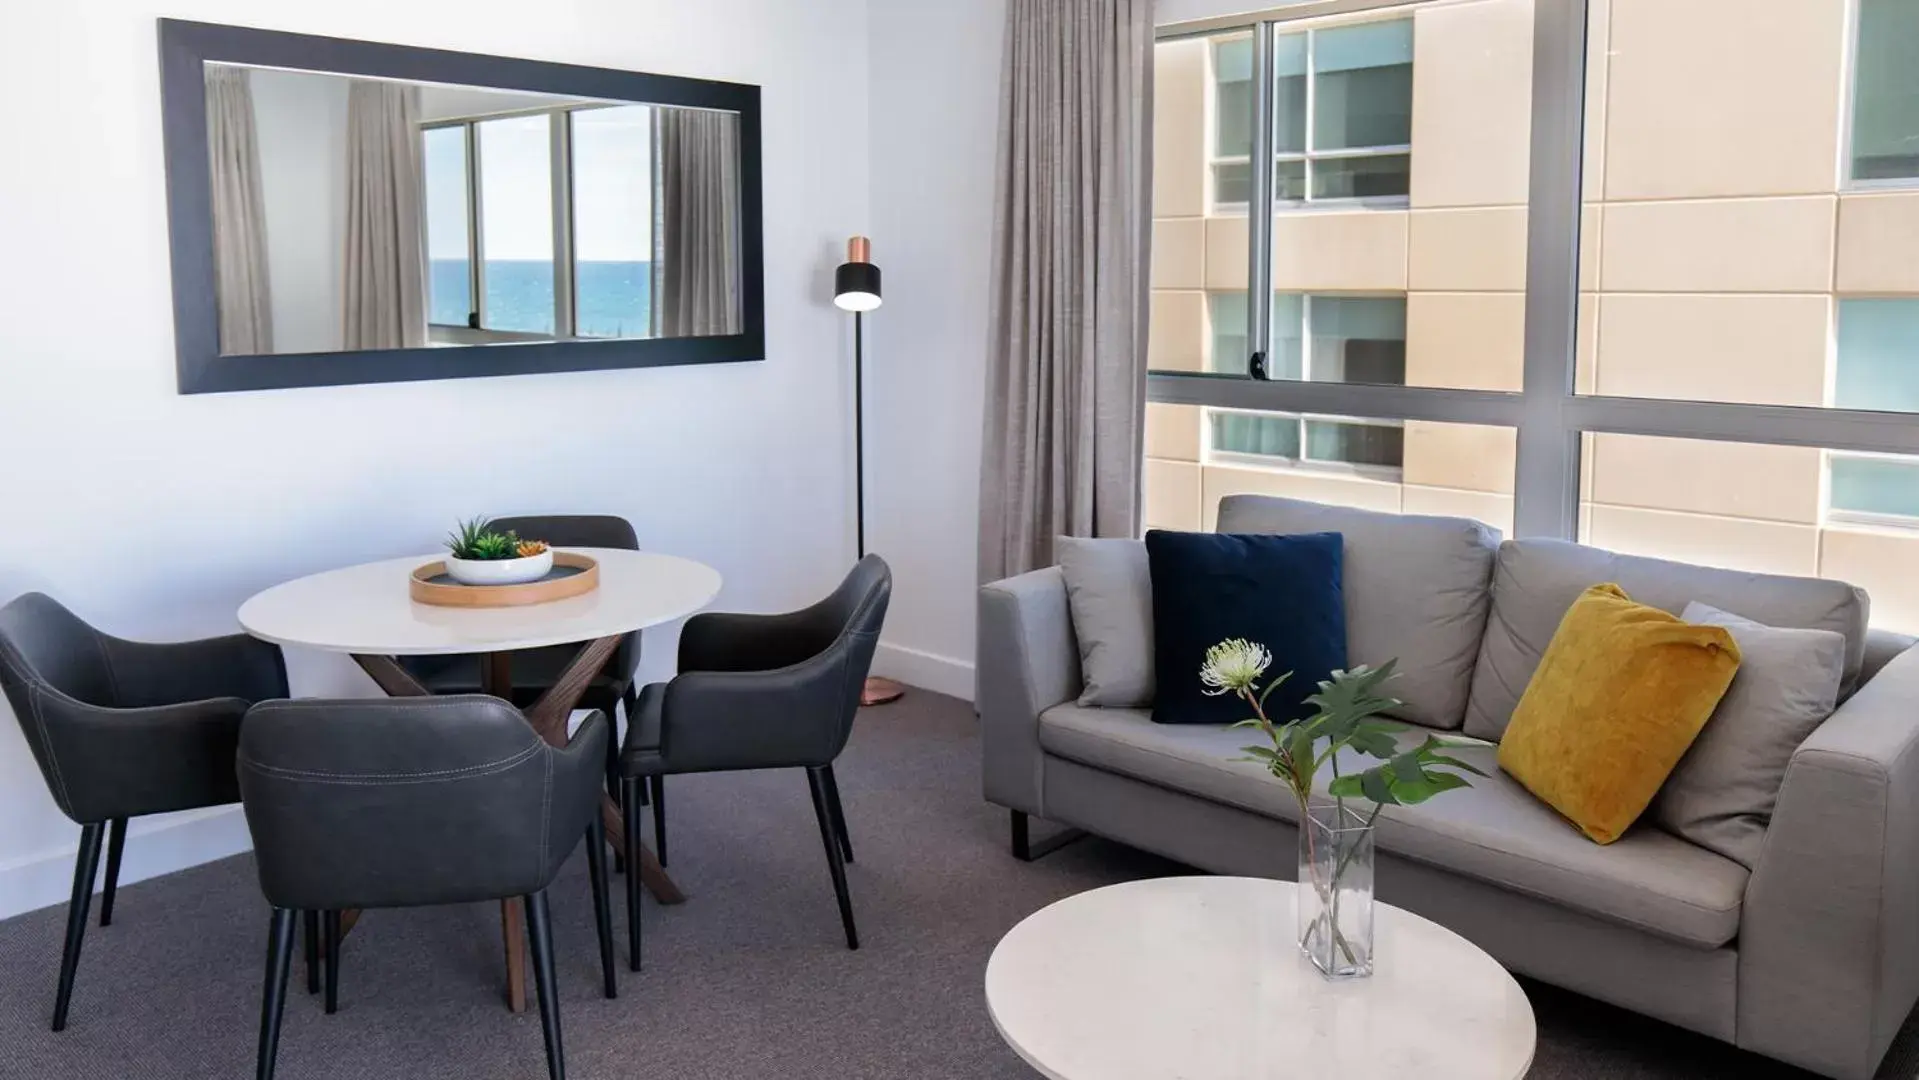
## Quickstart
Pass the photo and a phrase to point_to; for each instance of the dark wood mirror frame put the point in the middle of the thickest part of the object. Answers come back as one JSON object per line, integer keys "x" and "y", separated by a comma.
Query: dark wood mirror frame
{"x": 185, "y": 49}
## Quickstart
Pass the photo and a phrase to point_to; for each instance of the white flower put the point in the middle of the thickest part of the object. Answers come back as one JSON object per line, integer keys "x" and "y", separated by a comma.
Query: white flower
{"x": 1233, "y": 666}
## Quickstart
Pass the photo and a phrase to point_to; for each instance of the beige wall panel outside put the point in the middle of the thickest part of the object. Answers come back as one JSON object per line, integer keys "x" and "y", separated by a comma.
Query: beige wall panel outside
{"x": 1472, "y": 103}
{"x": 1172, "y": 492}
{"x": 1724, "y": 245}
{"x": 1469, "y": 249}
{"x": 1591, "y": 220}
{"x": 1179, "y": 253}
{"x": 1586, "y": 363}
{"x": 1764, "y": 547}
{"x": 1880, "y": 561}
{"x": 1178, "y": 338}
{"x": 1467, "y": 341}
{"x": 1764, "y": 350}
{"x": 1723, "y": 97}
{"x": 1335, "y": 250}
{"x": 1179, "y": 128}
{"x": 1224, "y": 480}
{"x": 1494, "y": 510}
{"x": 1226, "y": 240}
{"x": 1592, "y": 181}
{"x": 1879, "y": 243}
{"x": 1746, "y": 480}
{"x": 1172, "y": 432}
{"x": 1472, "y": 457}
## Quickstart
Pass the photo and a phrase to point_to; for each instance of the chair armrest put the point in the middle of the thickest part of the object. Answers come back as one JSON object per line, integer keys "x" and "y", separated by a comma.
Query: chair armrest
{"x": 1028, "y": 662}
{"x": 725, "y": 641}
{"x": 112, "y": 763}
{"x": 793, "y": 716}
{"x": 579, "y": 776}
{"x": 235, "y": 666}
{"x": 1829, "y": 936}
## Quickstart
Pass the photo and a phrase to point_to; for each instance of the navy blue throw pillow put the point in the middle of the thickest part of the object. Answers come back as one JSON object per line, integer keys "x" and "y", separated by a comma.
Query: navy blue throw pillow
{"x": 1283, "y": 592}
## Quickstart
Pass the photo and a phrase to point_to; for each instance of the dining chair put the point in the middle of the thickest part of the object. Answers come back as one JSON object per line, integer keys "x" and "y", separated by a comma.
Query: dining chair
{"x": 762, "y": 692}
{"x": 534, "y": 671}
{"x": 122, "y": 729}
{"x": 410, "y": 802}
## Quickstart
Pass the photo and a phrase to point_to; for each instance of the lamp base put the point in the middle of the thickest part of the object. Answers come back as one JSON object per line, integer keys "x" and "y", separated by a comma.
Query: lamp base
{"x": 878, "y": 691}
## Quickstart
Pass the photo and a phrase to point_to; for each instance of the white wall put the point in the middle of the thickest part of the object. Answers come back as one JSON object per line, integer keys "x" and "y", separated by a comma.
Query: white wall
{"x": 155, "y": 515}
{"x": 299, "y": 121}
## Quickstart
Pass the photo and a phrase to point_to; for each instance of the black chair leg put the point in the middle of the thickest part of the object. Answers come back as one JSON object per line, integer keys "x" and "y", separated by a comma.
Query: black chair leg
{"x": 85, "y": 866}
{"x": 310, "y": 931}
{"x": 615, "y": 790}
{"x": 274, "y": 999}
{"x": 816, "y": 779}
{"x": 631, "y": 787}
{"x": 602, "y": 913}
{"x": 539, "y": 931}
{"x": 659, "y": 817}
{"x": 839, "y": 813}
{"x": 116, "y": 845}
{"x": 332, "y": 936}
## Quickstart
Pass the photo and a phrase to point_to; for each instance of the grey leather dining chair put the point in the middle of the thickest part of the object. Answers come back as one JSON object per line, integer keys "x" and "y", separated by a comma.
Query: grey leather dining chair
{"x": 535, "y": 670}
{"x": 763, "y": 692}
{"x": 122, "y": 729}
{"x": 412, "y": 802}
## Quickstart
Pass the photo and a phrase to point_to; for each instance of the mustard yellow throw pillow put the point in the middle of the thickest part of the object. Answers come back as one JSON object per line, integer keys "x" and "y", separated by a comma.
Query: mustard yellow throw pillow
{"x": 1620, "y": 694}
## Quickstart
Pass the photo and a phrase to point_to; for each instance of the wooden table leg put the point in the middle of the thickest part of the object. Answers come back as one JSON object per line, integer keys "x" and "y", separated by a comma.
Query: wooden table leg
{"x": 496, "y": 678}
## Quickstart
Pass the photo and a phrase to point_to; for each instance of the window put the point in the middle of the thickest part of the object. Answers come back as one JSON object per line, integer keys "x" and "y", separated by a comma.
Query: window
{"x": 1885, "y": 102}
{"x": 1878, "y": 355}
{"x": 1876, "y": 488}
{"x": 1232, "y": 128}
{"x": 540, "y": 224}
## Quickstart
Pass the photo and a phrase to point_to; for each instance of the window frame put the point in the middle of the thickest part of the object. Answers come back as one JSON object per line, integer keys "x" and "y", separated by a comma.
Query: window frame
{"x": 1547, "y": 414}
{"x": 1849, "y": 117}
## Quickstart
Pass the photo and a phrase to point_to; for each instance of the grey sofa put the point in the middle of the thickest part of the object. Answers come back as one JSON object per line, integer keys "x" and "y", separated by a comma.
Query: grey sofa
{"x": 1810, "y": 956}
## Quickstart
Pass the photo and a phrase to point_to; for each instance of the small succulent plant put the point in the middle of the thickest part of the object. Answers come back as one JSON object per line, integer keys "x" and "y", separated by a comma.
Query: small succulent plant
{"x": 479, "y": 540}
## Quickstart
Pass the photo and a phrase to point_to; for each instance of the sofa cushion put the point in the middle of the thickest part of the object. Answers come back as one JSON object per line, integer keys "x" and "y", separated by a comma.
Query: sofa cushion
{"x": 1493, "y": 831}
{"x": 1417, "y": 590}
{"x": 1109, "y": 589}
{"x": 1535, "y": 581}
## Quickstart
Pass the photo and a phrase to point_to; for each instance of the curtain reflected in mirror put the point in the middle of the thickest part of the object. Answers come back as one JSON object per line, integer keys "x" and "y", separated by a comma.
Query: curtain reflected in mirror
{"x": 359, "y": 214}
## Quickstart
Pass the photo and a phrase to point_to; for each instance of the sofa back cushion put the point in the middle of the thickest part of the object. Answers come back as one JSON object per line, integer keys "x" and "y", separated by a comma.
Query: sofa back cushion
{"x": 1417, "y": 590}
{"x": 1537, "y": 580}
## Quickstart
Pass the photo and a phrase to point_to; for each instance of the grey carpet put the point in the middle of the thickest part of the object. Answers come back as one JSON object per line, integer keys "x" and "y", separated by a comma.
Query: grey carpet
{"x": 749, "y": 979}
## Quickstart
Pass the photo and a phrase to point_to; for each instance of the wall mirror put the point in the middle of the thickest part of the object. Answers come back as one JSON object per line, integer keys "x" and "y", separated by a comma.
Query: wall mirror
{"x": 347, "y": 212}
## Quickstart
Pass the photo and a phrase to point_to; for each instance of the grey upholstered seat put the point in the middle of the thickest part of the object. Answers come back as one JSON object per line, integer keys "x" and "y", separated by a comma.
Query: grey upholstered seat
{"x": 415, "y": 801}
{"x": 763, "y": 692}
{"x": 121, "y": 729}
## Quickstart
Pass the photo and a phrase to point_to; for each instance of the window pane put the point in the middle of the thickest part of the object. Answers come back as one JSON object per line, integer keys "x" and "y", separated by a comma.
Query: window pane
{"x": 1287, "y": 358}
{"x": 1885, "y": 117}
{"x": 1199, "y": 202}
{"x": 1883, "y": 486}
{"x": 1363, "y": 89}
{"x": 1226, "y": 311}
{"x": 448, "y": 241}
{"x": 613, "y": 220}
{"x": 1233, "y": 97}
{"x": 1289, "y": 97}
{"x": 1878, "y": 355}
{"x": 1232, "y": 183}
{"x": 1289, "y": 180}
{"x": 1358, "y": 339}
{"x": 1362, "y": 177}
{"x": 516, "y": 222}
{"x": 1195, "y": 456}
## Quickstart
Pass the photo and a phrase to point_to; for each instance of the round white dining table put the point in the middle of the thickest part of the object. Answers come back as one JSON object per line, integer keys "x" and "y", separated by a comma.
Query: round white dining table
{"x": 368, "y": 613}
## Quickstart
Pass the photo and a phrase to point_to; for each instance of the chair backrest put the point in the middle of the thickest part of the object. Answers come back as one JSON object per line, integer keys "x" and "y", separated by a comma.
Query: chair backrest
{"x": 401, "y": 802}
{"x": 584, "y": 530}
{"x": 43, "y": 643}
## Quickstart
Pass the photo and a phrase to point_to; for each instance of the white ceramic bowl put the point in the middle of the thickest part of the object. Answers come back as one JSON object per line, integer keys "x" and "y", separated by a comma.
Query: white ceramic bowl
{"x": 500, "y": 571}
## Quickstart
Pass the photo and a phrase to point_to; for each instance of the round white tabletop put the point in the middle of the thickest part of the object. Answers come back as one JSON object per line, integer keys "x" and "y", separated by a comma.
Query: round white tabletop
{"x": 366, "y": 609}
{"x": 1201, "y": 978}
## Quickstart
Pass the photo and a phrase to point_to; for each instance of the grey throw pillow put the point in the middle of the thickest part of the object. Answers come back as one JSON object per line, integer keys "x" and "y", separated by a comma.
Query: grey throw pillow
{"x": 1722, "y": 794}
{"x": 1110, "y": 593}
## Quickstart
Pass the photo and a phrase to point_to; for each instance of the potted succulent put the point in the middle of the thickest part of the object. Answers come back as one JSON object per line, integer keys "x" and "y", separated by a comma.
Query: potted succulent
{"x": 1335, "y": 896}
{"x": 479, "y": 554}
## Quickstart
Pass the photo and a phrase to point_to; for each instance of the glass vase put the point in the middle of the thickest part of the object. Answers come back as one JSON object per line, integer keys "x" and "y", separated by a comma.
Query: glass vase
{"x": 1335, "y": 894}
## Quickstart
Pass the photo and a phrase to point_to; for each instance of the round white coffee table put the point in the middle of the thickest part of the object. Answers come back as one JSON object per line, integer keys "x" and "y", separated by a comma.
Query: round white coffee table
{"x": 1200, "y": 978}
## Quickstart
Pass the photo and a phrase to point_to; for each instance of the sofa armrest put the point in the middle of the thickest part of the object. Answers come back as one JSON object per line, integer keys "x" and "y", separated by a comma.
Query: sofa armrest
{"x": 1829, "y": 937}
{"x": 1028, "y": 663}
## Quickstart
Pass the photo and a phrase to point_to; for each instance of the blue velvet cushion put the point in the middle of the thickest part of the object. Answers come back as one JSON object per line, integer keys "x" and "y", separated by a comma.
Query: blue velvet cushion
{"x": 1283, "y": 592}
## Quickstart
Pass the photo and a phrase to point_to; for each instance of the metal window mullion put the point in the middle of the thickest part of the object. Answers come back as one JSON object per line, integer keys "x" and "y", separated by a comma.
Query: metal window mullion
{"x": 1546, "y": 481}
{"x": 560, "y": 136}
{"x": 1368, "y": 400}
{"x": 475, "y": 229}
{"x": 1312, "y": 113}
{"x": 1259, "y": 209}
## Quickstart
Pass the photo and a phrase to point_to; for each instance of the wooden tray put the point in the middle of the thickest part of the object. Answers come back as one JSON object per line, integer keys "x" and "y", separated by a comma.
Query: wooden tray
{"x": 572, "y": 575}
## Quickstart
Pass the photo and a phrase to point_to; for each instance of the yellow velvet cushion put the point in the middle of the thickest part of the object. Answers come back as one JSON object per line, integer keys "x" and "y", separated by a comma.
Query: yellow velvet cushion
{"x": 1620, "y": 694}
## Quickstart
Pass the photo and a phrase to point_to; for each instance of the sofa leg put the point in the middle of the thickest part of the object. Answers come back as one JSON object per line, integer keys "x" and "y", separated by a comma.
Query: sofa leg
{"x": 1026, "y": 851}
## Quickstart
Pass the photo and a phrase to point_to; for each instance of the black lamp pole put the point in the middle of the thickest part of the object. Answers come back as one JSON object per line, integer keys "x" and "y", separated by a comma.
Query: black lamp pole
{"x": 856, "y": 288}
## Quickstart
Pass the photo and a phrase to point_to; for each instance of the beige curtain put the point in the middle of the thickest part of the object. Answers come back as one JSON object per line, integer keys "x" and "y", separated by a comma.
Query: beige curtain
{"x": 383, "y": 302}
{"x": 697, "y": 265}
{"x": 243, "y": 293}
{"x": 1066, "y": 365}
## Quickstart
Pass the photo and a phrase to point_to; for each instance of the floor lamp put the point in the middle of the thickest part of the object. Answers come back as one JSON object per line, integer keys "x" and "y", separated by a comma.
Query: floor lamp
{"x": 856, "y": 288}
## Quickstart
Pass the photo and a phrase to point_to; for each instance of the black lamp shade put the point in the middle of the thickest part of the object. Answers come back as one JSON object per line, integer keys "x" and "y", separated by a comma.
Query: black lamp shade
{"x": 856, "y": 286}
